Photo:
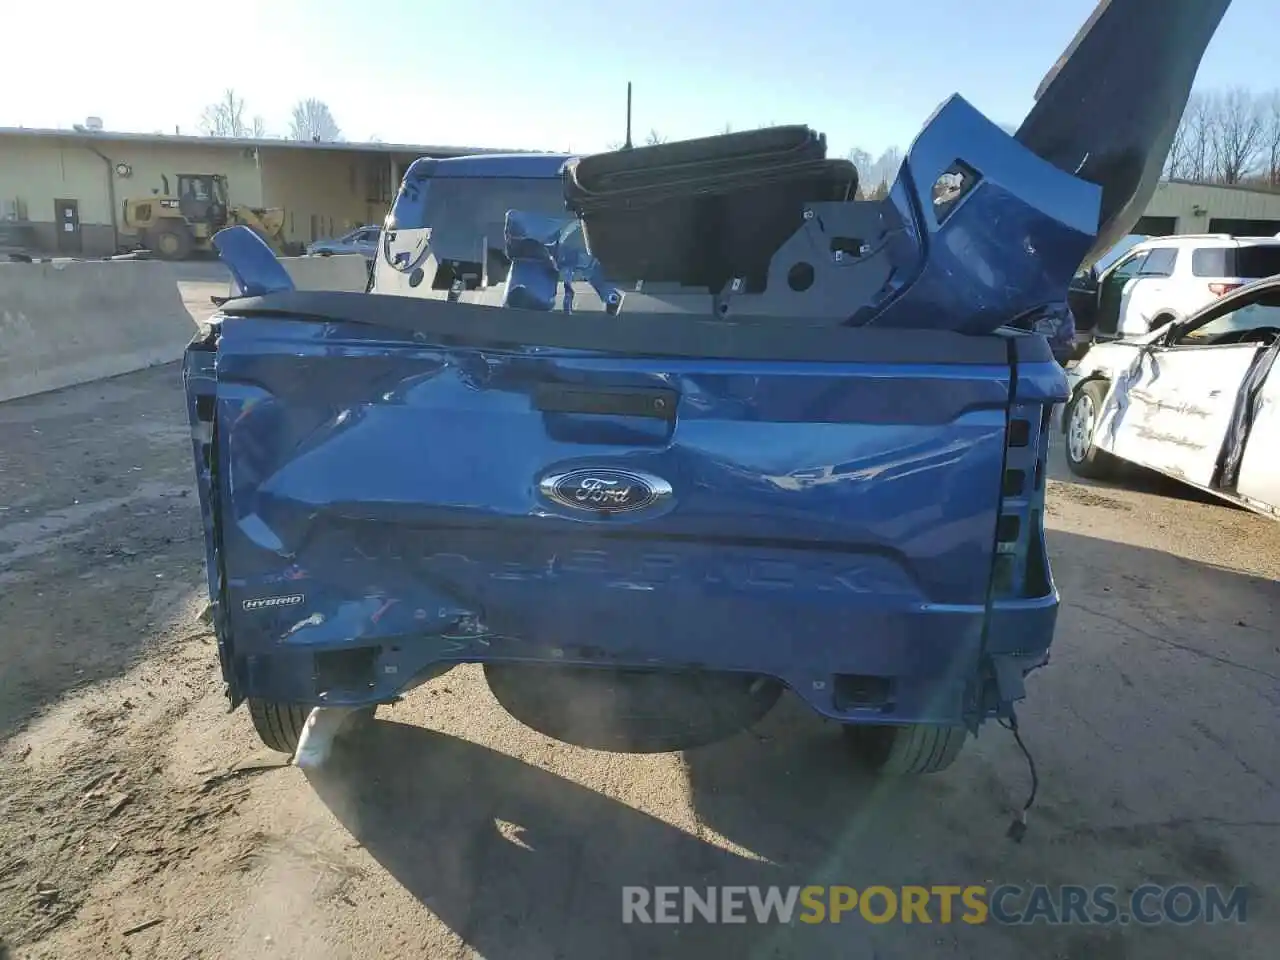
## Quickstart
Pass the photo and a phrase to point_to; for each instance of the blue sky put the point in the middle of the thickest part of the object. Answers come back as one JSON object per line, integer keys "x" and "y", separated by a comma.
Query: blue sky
{"x": 553, "y": 75}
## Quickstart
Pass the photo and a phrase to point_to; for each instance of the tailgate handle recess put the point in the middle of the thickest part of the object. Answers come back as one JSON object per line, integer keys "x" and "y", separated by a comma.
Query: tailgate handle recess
{"x": 658, "y": 403}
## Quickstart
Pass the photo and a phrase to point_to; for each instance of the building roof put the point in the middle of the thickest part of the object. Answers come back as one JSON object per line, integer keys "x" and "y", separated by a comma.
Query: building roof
{"x": 1241, "y": 187}
{"x": 85, "y": 134}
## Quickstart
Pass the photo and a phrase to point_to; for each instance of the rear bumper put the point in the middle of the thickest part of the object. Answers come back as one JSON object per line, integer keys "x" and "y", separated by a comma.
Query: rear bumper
{"x": 925, "y": 667}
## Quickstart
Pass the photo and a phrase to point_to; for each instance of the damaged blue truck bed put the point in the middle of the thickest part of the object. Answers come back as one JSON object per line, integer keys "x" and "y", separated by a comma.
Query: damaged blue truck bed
{"x": 648, "y": 525}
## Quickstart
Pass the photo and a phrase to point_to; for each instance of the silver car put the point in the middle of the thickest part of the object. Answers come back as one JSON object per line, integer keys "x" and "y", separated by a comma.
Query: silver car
{"x": 362, "y": 240}
{"x": 1197, "y": 399}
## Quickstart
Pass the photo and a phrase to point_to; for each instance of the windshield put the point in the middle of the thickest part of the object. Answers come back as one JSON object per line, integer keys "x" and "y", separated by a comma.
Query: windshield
{"x": 220, "y": 191}
{"x": 1119, "y": 250}
{"x": 1259, "y": 315}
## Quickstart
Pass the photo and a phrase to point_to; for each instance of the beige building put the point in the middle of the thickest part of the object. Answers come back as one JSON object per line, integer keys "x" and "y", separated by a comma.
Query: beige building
{"x": 69, "y": 186}
{"x": 1180, "y": 206}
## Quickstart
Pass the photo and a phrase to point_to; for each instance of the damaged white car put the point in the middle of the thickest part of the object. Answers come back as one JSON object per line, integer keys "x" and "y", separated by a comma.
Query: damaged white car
{"x": 1196, "y": 400}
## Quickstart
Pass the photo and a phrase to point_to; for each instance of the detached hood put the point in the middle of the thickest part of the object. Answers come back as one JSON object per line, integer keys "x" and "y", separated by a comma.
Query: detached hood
{"x": 1108, "y": 109}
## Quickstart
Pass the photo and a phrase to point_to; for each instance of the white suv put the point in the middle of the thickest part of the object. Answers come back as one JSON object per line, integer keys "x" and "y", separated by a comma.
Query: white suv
{"x": 1169, "y": 278}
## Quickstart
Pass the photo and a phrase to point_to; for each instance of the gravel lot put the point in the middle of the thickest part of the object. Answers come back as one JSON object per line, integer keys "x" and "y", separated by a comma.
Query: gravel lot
{"x": 130, "y": 797}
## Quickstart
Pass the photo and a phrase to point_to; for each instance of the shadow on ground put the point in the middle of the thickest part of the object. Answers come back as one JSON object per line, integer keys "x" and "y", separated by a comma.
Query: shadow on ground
{"x": 522, "y": 863}
{"x": 1128, "y": 476}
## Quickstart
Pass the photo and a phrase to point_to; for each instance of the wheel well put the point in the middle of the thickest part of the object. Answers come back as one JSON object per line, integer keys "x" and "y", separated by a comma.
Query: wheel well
{"x": 161, "y": 224}
{"x": 1091, "y": 378}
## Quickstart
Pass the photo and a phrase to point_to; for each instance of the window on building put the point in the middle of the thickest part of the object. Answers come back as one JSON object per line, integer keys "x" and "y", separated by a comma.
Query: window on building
{"x": 1244, "y": 227}
{"x": 1156, "y": 226}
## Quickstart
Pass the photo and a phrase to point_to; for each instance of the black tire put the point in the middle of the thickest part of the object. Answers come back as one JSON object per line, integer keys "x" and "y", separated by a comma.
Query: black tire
{"x": 631, "y": 711}
{"x": 279, "y": 725}
{"x": 895, "y": 751}
{"x": 1083, "y": 457}
{"x": 1158, "y": 322}
{"x": 171, "y": 240}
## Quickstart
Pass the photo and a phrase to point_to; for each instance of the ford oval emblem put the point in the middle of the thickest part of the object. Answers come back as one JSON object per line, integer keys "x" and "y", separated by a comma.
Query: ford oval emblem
{"x": 605, "y": 490}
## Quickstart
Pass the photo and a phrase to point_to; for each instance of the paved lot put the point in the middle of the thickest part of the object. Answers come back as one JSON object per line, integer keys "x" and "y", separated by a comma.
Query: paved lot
{"x": 451, "y": 831}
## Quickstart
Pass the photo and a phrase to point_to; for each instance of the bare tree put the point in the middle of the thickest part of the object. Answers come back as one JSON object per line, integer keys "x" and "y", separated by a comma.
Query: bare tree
{"x": 886, "y": 167}
{"x": 1192, "y": 155}
{"x": 313, "y": 120}
{"x": 1237, "y": 133}
{"x": 654, "y": 138}
{"x": 1271, "y": 141}
{"x": 259, "y": 129}
{"x": 1175, "y": 162}
{"x": 862, "y": 162}
{"x": 225, "y": 118}
{"x": 875, "y": 176}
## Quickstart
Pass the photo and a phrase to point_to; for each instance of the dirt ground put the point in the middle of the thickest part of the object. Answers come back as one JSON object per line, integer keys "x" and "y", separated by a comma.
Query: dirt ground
{"x": 139, "y": 818}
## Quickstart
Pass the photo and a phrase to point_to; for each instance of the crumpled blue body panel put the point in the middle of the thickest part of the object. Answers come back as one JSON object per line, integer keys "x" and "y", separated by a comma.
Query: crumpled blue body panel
{"x": 383, "y": 504}
{"x": 1008, "y": 245}
{"x": 380, "y": 512}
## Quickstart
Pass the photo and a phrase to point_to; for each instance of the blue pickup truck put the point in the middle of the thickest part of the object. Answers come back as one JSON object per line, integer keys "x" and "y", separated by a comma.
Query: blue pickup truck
{"x": 798, "y": 444}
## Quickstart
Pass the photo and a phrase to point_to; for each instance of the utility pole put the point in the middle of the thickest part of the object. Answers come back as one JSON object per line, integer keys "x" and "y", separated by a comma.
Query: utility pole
{"x": 627, "y": 145}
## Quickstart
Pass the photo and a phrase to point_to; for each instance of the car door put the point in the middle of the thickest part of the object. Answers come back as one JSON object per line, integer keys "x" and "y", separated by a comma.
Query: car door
{"x": 1113, "y": 289}
{"x": 1172, "y": 408}
{"x": 1082, "y": 298}
{"x": 1258, "y": 479}
{"x": 1147, "y": 293}
{"x": 1260, "y": 468}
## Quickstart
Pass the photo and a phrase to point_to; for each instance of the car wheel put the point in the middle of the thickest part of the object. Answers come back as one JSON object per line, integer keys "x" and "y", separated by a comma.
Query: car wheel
{"x": 279, "y": 725}
{"x": 1081, "y": 418}
{"x": 895, "y": 751}
{"x": 171, "y": 240}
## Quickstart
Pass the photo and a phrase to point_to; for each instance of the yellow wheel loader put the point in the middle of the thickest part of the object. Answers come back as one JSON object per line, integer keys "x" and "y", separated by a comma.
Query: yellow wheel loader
{"x": 173, "y": 226}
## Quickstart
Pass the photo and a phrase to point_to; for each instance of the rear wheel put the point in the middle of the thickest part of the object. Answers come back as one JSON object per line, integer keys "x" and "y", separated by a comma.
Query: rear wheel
{"x": 1081, "y": 418}
{"x": 631, "y": 711}
{"x": 906, "y": 750}
{"x": 279, "y": 725}
{"x": 171, "y": 240}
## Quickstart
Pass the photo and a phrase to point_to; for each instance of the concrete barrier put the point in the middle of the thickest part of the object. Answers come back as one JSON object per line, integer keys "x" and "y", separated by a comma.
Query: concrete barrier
{"x": 346, "y": 271}
{"x": 73, "y": 321}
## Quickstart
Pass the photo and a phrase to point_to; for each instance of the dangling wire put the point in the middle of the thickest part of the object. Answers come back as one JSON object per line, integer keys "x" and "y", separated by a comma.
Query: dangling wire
{"x": 1018, "y": 828}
